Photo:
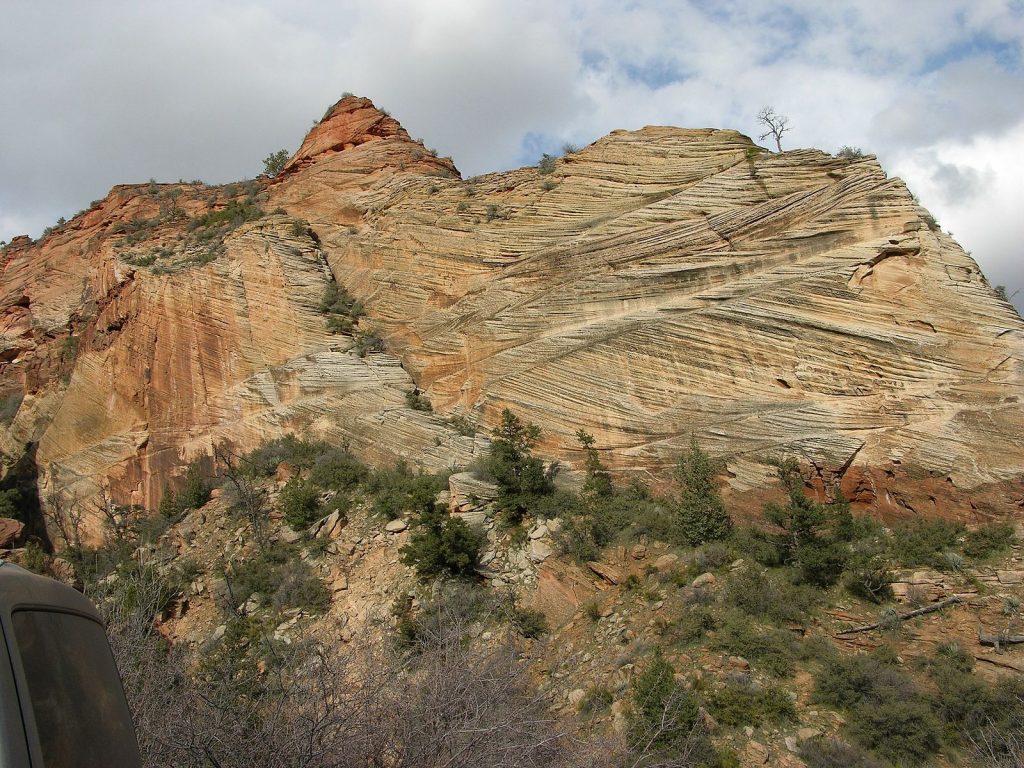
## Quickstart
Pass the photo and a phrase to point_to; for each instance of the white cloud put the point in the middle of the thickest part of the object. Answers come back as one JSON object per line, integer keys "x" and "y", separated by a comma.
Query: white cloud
{"x": 985, "y": 220}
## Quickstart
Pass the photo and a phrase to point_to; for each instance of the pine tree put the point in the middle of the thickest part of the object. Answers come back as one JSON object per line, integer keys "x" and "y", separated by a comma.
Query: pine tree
{"x": 702, "y": 513}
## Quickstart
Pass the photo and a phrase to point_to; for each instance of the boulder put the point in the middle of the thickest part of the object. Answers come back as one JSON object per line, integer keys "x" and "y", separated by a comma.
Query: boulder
{"x": 606, "y": 572}
{"x": 540, "y": 551}
{"x": 666, "y": 562}
{"x": 706, "y": 579}
{"x": 10, "y": 532}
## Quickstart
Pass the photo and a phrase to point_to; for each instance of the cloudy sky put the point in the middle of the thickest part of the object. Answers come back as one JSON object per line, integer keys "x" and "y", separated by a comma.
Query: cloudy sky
{"x": 98, "y": 93}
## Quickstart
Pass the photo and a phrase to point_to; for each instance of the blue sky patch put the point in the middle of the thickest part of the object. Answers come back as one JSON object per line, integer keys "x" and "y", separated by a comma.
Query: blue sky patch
{"x": 1006, "y": 55}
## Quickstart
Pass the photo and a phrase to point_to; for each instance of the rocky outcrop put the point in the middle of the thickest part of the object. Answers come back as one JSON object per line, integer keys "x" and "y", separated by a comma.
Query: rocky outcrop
{"x": 657, "y": 284}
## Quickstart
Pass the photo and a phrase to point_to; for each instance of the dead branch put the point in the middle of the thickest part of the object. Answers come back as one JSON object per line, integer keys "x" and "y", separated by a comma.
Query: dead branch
{"x": 998, "y": 640}
{"x": 904, "y": 616}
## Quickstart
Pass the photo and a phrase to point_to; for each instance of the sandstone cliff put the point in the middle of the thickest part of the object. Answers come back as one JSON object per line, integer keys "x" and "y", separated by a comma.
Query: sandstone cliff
{"x": 656, "y": 284}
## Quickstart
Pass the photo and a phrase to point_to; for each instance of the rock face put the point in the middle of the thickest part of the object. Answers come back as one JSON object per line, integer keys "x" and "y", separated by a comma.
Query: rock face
{"x": 657, "y": 284}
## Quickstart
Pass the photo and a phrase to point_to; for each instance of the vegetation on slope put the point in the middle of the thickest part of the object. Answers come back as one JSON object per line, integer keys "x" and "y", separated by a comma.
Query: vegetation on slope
{"x": 725, "y": 635}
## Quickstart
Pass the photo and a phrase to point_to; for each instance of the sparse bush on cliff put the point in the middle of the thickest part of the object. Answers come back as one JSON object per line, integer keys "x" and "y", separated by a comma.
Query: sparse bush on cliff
{"x": 417, "y": 401}
{"x": 849, "y": 153}
{"x": 546, "y": 164}
{"x": 367, "y": 342}
{"x": 214, "y": 223}
{"x": 769, "y": 650}
{"x": 462, "y": 425}
{"x": 826, "y": 752}
{"x": 274, "y": 163}
{"x": 342, "y": 310}
{"x": 770, "y": 595}
{"x": 278, "y": 574}
{"x": 599, "y": 481}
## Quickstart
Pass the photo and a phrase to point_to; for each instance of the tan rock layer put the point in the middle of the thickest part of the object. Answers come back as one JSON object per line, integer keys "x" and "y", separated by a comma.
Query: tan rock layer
{"x": 659, "y": 283}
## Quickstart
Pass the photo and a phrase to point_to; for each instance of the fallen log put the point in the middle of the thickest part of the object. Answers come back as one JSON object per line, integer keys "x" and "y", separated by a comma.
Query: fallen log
{"x": 901, "y": 617}
{"x": 998, "y": 641}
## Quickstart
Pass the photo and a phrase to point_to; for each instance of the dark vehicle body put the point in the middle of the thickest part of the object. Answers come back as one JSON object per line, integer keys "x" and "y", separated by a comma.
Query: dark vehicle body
{"x": 62, "y": 704}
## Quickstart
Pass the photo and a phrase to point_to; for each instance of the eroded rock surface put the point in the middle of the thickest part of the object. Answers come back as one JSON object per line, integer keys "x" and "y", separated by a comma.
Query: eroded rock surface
{"x": 657, "y": 284}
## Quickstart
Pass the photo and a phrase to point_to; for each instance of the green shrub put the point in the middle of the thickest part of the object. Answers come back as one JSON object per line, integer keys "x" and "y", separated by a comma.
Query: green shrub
{"x": 300, "y": 503}
{"x": 575, "y": 539}
{"x": 662, "y": 713}
{"x": 337, "y": 470}
{"x": 462, "y": 425}
{"x": 843, "y": 682}
{"x": 367, "y": 342}
{"x": 69, "y": 349}
{"x": 299, "y": 587}
{"x": 598, "y": 698}
{"x": 528, "y": 623}
{"x": 519, "y": 474}
{"x": 260, "y": 573}
{"x": 217, "y": 223}
{"x": 757, "y": 545}
{"x": 693, "y": 626}
{"x": 998, "y": 741}
{"x": 849, "y": 153}
{"x": 903, "y": 732}
{"x": 301, "y": 454}
{"x": 399, "y": 490}
{"x": 769, "y": 595}
{"x": 342, "y": 310}
{"x": 599, "y": 481}
{"x": 702, "y": 513}
{"x": 771, "y": 650}
{"x": 833, "y": 753}
{"x": 924, "y": 542}
{"x": 870, "y": 580}
{"x": 988, "y": 540}
{"x": 449, "y": 613}
{"x": 418, "y": 401}
{"x": 442, "y": 544}
{"x": 546, "y": 164}
{"x": 194, "y": 494}
{"x": 10, "y": 503}
{"x": 962, "y": 701}
{"x": 34, "y": 558}
{"x": 743, "y": 703}
{"x": 274, "y": 163}
{"x": 197, "y": 489}
{"x": 281, "y": 576}
{"x": 887, "y": 712}
{"x": 710, "y": 557}
{"x": 812, "y": 534}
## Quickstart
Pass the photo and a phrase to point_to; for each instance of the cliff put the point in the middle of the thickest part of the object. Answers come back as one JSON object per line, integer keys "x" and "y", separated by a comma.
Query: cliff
{"x": 656, "y": 284}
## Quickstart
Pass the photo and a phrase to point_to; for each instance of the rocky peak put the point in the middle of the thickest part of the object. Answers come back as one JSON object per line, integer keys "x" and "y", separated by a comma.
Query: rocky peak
{"x": 352, "y": 122}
